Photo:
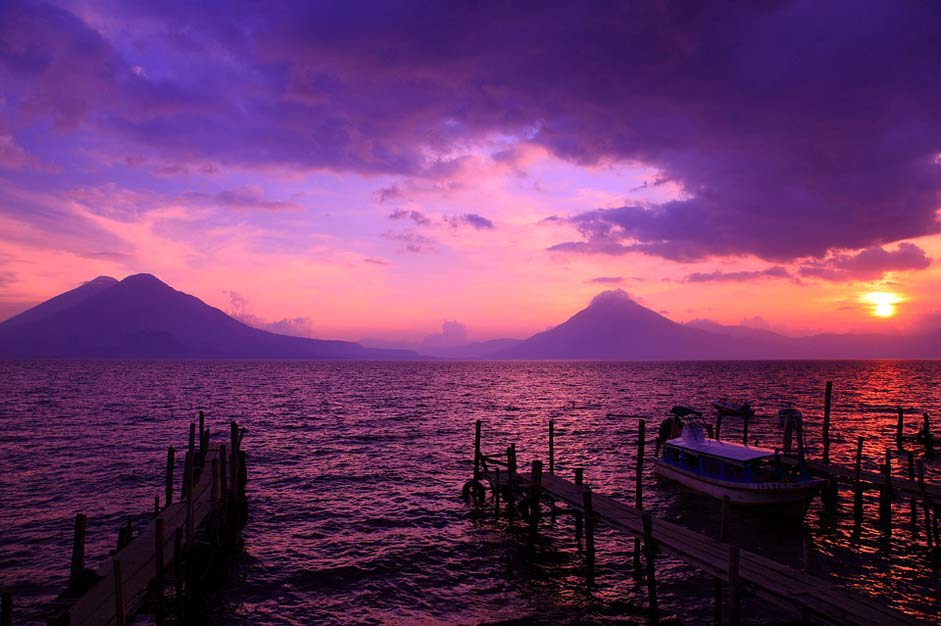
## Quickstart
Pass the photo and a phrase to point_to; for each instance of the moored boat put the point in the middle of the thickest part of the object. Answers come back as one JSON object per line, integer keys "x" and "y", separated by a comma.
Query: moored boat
{"x": 726, "y": 406}
{"x": 748, "y": 475}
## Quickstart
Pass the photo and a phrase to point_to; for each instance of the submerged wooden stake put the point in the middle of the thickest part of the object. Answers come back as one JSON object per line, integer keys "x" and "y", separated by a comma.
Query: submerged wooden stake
{"x": 826, "y": 421}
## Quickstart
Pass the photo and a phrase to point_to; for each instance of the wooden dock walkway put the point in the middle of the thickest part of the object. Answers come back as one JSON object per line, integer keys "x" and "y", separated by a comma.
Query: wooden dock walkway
{"x": 817, "y": 600}
{"x": 209, "y": 511}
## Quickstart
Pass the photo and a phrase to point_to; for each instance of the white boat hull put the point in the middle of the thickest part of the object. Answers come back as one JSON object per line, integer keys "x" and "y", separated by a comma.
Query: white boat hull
{"x": 743, "y": 494}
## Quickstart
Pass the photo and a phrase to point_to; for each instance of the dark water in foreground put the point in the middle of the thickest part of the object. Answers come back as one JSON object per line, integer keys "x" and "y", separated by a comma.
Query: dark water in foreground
{"x": 355, "y": 471}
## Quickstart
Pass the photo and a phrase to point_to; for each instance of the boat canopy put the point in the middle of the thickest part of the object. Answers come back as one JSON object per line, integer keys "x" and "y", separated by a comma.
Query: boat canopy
{"x": 721, "y": 449}
{"x": 684, "y": 411}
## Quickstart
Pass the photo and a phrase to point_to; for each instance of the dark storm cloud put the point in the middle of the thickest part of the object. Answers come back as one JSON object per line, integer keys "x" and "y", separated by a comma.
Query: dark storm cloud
{"x": 794, "y": 128}
{"x": 720, "y": 276}
{"x": 868, "y": 264}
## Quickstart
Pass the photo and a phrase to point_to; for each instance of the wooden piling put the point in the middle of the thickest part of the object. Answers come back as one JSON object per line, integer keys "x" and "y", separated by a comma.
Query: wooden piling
{"x": 826, "y": 421}
{"x": 510, "y": 507}
{"x": 579, "y": 481}
{"x": 78, "y": 551}
{"x": 168, "y": 496}
{"x": 120, "y": 618}
{"x": 202, "y": 434}
{"x": 745, "y": 430}
{"x": 735, "y": 592}
{"x": 536, "y": 480}
{"x": 649, "y": 555}
{"x": 496, "y": 494}
{"x": 579, "y": 476}
{"x": 885, "y": 494}
{"x": 192, "y": 439}
{"x": 899, "y": 428}
{"x": 858, "y": 485}
{"x": 924, "y": 500}
{"x": 718, "y": 426}
{"x": 6, "y": 609}
{"x": 234, "y": 456}
{"x": 477, "y": 450}
{"x": 552, "y": 446}
{"x": 914, "y": 506}
{"x": 589, "y": 536}
{"x": 929, "y": 442}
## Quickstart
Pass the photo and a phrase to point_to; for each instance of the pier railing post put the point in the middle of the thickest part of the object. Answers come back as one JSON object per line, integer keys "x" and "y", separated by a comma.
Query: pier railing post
{"x": 885, "y": 495}
{"x": 120, "y": 618}
{"x": 914, "y": 506}
{"x": 191, "y": 445}
{"x": 168, "y": 499}
{"x": 826, "y": 421}
{"x": 234, "y": 457}
{"x": 579, "y": 481}
{"x": 735, "y": 592}
{"x": 552, "y": 446}
{"x": 202, "y": 434}
{"x": 477, "y": 450}
{"x": 78, "y": 551}
{"x": 589, "y": 536}
{"x": 650, "y": 550}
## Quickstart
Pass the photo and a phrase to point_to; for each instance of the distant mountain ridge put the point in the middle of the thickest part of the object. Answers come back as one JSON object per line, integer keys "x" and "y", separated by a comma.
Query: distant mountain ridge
{"x": 614, "y": 327}
{"x": 142, "y": 317}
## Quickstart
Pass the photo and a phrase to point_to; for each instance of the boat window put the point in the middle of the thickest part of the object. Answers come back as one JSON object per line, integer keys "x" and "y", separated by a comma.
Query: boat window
{"x": 711, "y": 466}
{"x": 691, "y": 460}
{"x": 734, "y": 472}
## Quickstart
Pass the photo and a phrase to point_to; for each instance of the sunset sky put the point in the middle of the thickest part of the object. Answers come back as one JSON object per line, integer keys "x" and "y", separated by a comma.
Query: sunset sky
{"x": 354, "y": 172}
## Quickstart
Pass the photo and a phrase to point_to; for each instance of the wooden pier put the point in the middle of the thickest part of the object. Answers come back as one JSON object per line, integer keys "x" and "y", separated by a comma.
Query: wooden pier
{"x": 735, "y": 570}
{"x": 208, "y": 516}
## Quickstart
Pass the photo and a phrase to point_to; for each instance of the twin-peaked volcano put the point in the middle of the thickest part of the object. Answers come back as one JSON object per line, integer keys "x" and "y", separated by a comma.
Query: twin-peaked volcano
{"x": 142, "y": 317}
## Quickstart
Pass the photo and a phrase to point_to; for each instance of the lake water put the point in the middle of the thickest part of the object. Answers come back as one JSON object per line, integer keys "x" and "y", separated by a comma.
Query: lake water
{"x": 355, "y": 471}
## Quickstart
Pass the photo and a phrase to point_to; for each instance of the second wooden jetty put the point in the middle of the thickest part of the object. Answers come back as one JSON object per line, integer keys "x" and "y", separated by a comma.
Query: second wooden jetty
{"x": 814, "y": 599}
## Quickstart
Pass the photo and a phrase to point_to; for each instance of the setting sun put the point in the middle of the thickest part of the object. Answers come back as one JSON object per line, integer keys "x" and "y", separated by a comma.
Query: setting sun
{"x": 882, "y": 303}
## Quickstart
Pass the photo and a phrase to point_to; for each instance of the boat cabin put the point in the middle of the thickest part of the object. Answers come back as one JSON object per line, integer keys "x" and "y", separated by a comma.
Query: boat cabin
{"x": 728, "y": 461}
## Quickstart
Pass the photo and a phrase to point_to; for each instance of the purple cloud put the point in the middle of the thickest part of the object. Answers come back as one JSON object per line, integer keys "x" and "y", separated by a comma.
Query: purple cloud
{"x": 792, "y": 128}
{"x": 607, "y": 280}
{"x": 416, "y": 216}
{"x": 719, "y": 276}
{"x": 478, "y": 222}
{"x": 868, "y": 264}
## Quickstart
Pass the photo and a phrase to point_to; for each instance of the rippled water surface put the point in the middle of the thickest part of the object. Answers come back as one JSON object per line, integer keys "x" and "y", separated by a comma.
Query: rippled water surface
{"x": 355, "y": 471}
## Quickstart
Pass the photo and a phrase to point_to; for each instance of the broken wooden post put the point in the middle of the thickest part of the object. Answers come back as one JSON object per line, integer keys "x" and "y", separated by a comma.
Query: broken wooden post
{"x": 899, "y": 428}
{"x": 6, "y": 609}
{"x": 78, "y": 552}
{"x": 826, "y": 422}
{"x": 120, "y": 618}
{"x": 735, "y": 592}
{"x": 477, "y": 450}
{"x": 552, "y": 446}
{"x": 589, "y": 536}
{"x": 171, "y": 453}
{"x": 536, "y": 480}
{"x": 639, "y": 483}
{"x": 649, "y": 555}
{"x": 929, "y": 441}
